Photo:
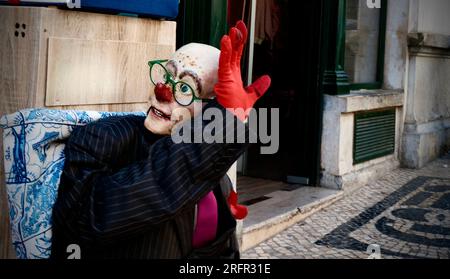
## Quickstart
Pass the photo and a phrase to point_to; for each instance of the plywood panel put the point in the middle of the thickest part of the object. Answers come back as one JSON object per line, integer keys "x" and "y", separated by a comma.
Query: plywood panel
{"x": 95, "y": 26}
{"x": 99, "y": 72}
{"x": 19, "y": 54}
{"x": 110, "y": 107}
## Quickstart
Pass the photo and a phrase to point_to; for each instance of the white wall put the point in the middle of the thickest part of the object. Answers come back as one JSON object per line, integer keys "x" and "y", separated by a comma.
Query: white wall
{"x": 396, "y": 48}
{"x": 427, "y": 106}
{"x": 430, "y": 16}
{"x": 429, "y": 98}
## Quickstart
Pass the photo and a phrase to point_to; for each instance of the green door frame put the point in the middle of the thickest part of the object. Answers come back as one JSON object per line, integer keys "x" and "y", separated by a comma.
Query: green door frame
{"x": 335, "y": 79}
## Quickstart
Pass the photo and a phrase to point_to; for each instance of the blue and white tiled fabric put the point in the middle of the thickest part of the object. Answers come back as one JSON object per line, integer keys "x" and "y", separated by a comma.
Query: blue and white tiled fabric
{"x": 33, "y": 145}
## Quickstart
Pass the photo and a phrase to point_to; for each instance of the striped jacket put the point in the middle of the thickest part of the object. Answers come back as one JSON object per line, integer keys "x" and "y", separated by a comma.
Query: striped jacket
{"x": 128, "y": 193}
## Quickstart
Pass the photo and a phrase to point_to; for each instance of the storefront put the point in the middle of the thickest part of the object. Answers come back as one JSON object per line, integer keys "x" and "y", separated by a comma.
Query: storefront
{"x": 350, "y": 80}
{"x": 284, "y": 43}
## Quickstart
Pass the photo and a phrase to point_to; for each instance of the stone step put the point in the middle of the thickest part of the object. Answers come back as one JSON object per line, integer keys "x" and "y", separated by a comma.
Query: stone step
{"x": 282, "y": 210}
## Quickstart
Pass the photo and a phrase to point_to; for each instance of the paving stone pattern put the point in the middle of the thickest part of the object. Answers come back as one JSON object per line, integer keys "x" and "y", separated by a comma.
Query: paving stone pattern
{"x": 406, "y": 214}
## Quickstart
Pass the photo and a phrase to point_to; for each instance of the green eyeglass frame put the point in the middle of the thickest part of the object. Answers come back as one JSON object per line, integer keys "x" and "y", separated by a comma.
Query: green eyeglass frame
{"x": 169, "y": 79}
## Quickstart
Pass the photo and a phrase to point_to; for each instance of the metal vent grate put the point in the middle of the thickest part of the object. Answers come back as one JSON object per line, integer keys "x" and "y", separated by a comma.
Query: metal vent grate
{"x": 374, "y": 135}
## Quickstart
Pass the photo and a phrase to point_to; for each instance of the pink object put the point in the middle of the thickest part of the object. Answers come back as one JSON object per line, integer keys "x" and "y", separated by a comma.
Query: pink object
{"x": 207, "y": 219}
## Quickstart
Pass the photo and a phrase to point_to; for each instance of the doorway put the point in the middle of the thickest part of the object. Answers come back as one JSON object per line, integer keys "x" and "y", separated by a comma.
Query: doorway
{"x": 285, "y": 43}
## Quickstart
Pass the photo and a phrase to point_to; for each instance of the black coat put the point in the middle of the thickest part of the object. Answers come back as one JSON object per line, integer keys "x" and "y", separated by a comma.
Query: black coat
{"x": 127, "y": 193}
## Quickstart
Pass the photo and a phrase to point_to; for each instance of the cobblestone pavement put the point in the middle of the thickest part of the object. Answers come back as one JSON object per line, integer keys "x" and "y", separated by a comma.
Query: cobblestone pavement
{"x": 406, "y": 214}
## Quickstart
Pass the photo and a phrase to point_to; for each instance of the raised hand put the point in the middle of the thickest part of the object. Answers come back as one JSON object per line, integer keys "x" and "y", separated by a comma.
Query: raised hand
{"x": 230, "y": 91}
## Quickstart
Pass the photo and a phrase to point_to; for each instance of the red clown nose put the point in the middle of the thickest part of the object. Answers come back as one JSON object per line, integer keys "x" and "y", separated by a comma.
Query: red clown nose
{"x": 163, "y": 93}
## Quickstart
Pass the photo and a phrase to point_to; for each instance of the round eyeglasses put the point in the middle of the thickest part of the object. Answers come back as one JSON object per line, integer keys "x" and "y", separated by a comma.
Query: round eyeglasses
{"x": 183, "y": 93}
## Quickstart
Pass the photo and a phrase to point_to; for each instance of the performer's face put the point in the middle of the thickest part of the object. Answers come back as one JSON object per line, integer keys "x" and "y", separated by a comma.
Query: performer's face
{"x": 192, "y": 70}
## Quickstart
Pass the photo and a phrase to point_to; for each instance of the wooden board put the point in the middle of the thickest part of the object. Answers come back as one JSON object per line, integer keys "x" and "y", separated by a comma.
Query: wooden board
{"x": 95, "y": 26}
{"x": 99, "y": 72}
{"x": 109, "y": 107}
{"x": 19, "y": 53}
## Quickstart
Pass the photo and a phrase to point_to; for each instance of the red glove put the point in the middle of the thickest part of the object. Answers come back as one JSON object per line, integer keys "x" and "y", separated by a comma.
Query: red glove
{"x": 230, "y": 92}
{"x": 238, "y": 211}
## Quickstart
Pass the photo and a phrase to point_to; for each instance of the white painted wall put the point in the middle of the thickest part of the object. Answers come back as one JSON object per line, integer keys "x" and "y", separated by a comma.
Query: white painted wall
{"x": 427, "y": 104}
{"x": 430, "y": 16}
{"x": 396, "y": 48}
{"x": 430, "y": 90}
{"x": 434, "y": 16}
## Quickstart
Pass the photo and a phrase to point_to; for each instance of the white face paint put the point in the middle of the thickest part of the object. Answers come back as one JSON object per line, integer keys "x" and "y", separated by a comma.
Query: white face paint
{"x": 194, "y": 64}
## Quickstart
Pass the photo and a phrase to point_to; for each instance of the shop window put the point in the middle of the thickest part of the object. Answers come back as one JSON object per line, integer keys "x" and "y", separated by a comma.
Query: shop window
{"x": 365, "y": 30}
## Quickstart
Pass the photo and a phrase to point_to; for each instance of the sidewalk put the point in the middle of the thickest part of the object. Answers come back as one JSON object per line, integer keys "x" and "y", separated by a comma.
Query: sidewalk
{"x": 404, "y": 215}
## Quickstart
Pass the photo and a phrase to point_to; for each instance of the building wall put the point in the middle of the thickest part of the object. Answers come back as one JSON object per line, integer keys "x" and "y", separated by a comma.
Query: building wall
{"x": 396, "y": 48}
{"x": 417, "y": 67}
{"x": 338, "y": 170}
{"x": 431, "y": 16}
{"x": 427, "y": 100}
